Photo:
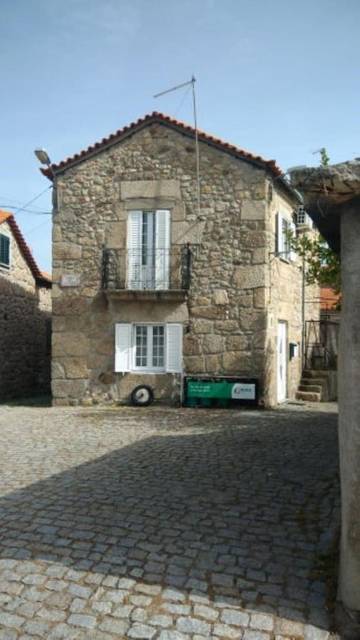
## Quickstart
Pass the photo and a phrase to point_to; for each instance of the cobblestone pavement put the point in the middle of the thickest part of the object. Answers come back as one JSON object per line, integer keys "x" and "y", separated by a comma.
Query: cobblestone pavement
{"x": 167, "y": 524}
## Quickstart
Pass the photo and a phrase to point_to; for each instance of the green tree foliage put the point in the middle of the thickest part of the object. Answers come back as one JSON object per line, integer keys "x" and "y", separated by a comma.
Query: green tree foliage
{"x": 324, "y": 158}
{"x": 322, "y": 263}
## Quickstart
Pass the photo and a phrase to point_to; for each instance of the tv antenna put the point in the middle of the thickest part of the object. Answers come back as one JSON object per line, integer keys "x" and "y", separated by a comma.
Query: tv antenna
{"x": 181, "y": 86}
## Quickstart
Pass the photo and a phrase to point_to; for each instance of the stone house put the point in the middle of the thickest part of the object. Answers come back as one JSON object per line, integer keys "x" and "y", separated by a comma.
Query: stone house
{"x": 332, "y": 197}
{"x": 149, "y": 288}
{"x": 25, "y": 316}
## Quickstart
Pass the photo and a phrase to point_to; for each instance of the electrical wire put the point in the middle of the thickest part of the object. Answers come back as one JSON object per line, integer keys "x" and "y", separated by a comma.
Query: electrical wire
{"x": 24, "y": 207}
{"x": 23, "y": 210}
{"x": 16, "y": 200}
{"x": 36, "y": 227}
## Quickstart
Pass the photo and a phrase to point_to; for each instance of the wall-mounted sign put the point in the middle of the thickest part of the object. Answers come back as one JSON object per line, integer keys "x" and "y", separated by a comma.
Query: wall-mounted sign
{"x": 70, "y": 280}
{"x": 243, "y": 391}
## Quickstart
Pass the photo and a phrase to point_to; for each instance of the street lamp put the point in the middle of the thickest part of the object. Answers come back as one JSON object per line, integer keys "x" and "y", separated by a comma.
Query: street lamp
{"x": 43, "y": 157}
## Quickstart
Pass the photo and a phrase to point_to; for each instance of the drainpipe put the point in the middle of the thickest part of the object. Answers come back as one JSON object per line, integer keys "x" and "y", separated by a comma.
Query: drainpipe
{"x": 303, "y": 354}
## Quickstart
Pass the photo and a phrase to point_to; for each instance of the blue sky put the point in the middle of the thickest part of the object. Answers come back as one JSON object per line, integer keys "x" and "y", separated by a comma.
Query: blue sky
{"x": 280, "y": 78}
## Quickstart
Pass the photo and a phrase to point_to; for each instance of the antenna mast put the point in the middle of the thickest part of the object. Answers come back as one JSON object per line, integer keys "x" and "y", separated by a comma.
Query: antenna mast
{"x": 181, "y": 86}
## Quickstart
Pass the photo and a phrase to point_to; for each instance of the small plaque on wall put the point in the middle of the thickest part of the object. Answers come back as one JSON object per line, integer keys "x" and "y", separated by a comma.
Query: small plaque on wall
{"x": 70, "y": 280}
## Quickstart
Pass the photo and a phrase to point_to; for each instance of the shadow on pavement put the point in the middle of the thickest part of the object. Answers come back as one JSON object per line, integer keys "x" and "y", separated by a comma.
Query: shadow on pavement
{"x": 247, "y": 511}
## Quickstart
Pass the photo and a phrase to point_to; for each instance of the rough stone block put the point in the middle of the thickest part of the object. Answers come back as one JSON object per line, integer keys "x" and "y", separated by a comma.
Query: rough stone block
{"x": 260, "y": 295}
{"x": 213, "y": 344}
{"x": 253, "y": 210}
{"x": 150, "y": 189}
{"x": 249, "y": 277}
{"x": 236, "y": 362}
{"x": 220, "y": 297}
{"x": 75, "y": 368}
{"x": 237, "y": 343}
{"x": 70, "y": 343}
{"x": 66, "y": 251}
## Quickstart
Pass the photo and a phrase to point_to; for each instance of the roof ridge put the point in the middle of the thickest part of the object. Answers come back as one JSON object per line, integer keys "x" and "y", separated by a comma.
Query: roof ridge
{"x": 157, "y": 116}
{"x": 6, "y": 216}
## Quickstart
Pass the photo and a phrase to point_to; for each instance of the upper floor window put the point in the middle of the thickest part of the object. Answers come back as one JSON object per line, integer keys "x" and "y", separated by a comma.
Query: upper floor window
{"x": 148, "y": 249}
{"x": 4, "y": 251}
{"x": 285, "y": 227}
{"x": 303, "y": 218}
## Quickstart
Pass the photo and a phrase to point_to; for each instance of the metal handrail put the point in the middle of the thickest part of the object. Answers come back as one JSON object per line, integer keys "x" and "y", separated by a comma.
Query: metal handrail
{"x": 147, "y": 269}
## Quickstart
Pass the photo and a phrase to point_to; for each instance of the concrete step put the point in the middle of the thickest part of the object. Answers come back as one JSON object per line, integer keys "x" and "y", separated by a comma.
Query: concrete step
{"x": 312, "y": 388}
{"x": 308, "y": 396}
{"x": 315, "y": 373}
{"x": 321, "y": 382}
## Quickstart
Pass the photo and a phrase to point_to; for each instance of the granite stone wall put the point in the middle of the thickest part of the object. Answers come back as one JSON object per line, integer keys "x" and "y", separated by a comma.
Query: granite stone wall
{"x": 25, "y": 325}
{"x": 225, "y": 313}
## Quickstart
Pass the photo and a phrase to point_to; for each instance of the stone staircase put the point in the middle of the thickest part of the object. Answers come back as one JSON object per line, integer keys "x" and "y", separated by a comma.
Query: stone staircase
{"x": 314, "y": 386}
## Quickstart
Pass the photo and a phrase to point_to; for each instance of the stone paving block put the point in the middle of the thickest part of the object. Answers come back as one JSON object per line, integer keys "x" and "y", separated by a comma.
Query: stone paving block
{"x": 161, "y": 621}
{"x": 51, "y": 614}
{"x": 11, "y": 620}
{"x": 80, "y": 620}
{"x": 87, "y": 537}
{"x": 193, "y": 625}
{"x": 176, "y": 609}
{"x": 9, "y": 634}
{"x": 262, "y": 622}
{"x": 206, "y": 612}
{"x": 289, "y": 627}
{"x": 139, "y": 615}
{"x": 114, "y": 626}
{"x": 314, "y": 633}
{"x": 233, "y": 617}
{"x": 80, "y": 591}
{"x": 224, "y": 631}
{"x": 250, "y": 634}
{"x": 37, "y": 627}
{"x": 173, "y": 635}
{"x": 141, "y": 631}
{"x": 63, "y": 631}
{"x": 173, "y": 594}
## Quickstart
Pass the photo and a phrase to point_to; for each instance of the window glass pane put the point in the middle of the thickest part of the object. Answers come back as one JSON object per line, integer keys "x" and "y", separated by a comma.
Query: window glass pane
{"x": 285, "y": 232}
{"x": 158, "y": 355}
{"x": 141, "y": 346}
{"x": 147, "y": 237}
{"x": 4, "y": 249}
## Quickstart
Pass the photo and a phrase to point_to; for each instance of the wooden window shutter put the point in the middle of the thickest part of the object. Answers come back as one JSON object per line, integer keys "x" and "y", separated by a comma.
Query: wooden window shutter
{"x": 174, "y": 340}
{"x": 134, "y": 243}
{"x": 123, "y": 347}
{"x": 162, "y": 249}
{"x": 292, "y": 228}
{"x": 279, "y": 235}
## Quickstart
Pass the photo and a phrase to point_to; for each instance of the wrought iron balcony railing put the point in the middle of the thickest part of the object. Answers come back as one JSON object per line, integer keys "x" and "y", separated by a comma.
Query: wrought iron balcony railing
{"x": 147, "y": 270}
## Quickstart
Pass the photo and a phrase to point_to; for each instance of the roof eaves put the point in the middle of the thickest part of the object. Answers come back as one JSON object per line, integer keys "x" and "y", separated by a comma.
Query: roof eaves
{"x": 5, "y": 216}
{"x": 178, "y": 125}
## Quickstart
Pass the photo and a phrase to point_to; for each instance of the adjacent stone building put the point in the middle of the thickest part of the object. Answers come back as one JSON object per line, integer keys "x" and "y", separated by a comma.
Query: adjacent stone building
{"x": 25, "y": 316}
{"x": 332, "y": 197}
{"x": 149, "y": 288}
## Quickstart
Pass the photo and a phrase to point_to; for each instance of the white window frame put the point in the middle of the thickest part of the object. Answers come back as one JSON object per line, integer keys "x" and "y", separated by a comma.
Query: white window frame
{"x": 149, "y": 368}
{"x": 155, "y": 274}
{"x": 125, "y": 348}
{"x": 3, "y": 265}
{"x": 283, "y": 251}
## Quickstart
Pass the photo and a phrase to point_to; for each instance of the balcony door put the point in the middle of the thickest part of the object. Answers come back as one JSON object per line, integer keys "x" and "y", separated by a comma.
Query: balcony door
{"x": 148, "y": 249}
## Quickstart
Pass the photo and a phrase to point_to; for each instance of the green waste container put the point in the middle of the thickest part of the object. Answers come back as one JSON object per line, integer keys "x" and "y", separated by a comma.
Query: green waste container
{"x": 221, "y": 392}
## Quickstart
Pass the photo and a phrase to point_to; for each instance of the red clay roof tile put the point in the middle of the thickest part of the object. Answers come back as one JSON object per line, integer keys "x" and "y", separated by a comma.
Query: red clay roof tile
{"x": 182, "y": 127}
{"x": 40, "y": 276}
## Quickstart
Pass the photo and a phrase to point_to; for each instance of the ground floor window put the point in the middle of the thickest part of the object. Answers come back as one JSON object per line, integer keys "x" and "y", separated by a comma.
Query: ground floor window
{"x": 148, "y": 348}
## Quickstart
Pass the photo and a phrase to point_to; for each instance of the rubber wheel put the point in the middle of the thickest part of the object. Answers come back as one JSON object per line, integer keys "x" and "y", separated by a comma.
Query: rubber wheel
{"x": 142, "y": 396}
